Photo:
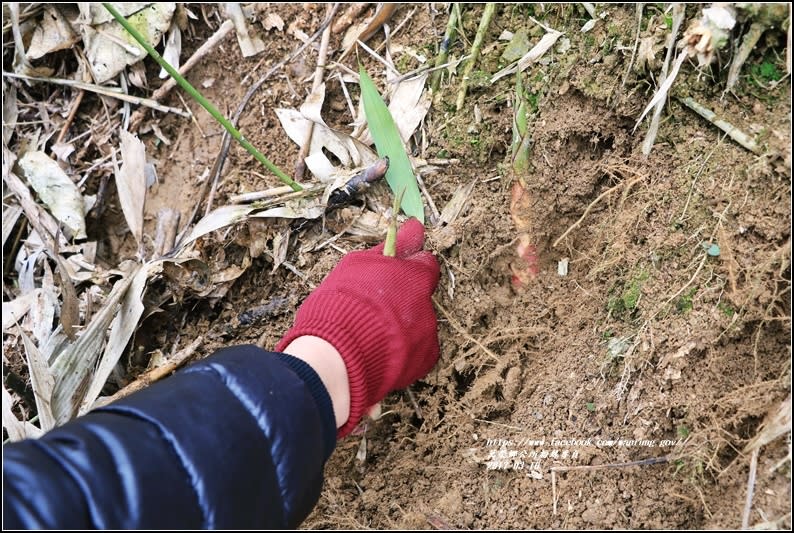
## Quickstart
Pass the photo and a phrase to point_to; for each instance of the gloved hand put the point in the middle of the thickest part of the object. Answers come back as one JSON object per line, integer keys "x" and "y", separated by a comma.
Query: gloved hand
{"x": 376, "y": 311}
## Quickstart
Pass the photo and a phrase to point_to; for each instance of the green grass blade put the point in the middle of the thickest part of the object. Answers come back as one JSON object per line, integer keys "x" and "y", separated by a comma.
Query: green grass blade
{"x": 198, "y": 97}
{"x": 400, "y": 175}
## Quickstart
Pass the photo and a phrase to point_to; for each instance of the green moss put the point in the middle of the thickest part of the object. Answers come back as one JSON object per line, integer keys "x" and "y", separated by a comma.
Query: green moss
{"x": 632, "y": 294}
{"x": 684, "y": 304}
{"x": 726, "y": 309}
{"x": 589, "y": 42}
{"x": 766, "y": 72}
{"x": 625, "y": 303}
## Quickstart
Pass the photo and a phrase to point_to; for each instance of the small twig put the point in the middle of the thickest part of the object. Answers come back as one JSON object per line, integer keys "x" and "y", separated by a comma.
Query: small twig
{"x": 733, "y": 132}
{"x": 427, "y": 70}
{"x": 70, "y": 118}
{"x": 104, "y": 91}
{"x": 485, "y": 22}
{"x": 381, "y": 17}
{"x": 679, "y": 11}
{"x": 748, "y": 504}
{"x": 443, "y": 51}
{"x": 749, "y": 41}
{"x": 300, "y": 165}
{"x": 378, "y": 58}
{"x": 344, "y": 22}
{"x": 154, "y": 375}
{"x": 170, "y": 83}
{"x": 640, "y": 6}
{"x": 433, "y": 209}
{"x": 415, "y": 404}
{"x": 592, "y": 204}
{"x": 259, "y": 195}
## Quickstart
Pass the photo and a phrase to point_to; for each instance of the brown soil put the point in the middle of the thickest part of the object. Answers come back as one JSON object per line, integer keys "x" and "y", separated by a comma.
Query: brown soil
{"x": 646, "y": 339}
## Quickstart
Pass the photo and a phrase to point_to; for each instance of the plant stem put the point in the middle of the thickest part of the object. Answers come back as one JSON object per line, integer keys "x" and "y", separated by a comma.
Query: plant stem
{"x": 198, "y": 97}
{"x": 443, "y": 52}
{"x": 487, "y": 15}
{"x": 390, "y": 246}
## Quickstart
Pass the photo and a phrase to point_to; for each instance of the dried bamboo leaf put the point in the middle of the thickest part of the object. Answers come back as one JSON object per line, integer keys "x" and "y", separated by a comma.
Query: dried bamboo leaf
{"x": 313, "y": 105}
{"x": 217, "y": 219}
{"x": 56, "y": 190}
{"x": 10, "y": 112}
{"x": 42, "y": 313}
{"x": 776, "y": 424}
{"x": 16, "y": 430}
{"x": 348, "y": 150}
{"x": 10, "y": 217}
{"x": 455, "y": 206}
{"x": 15, "y": 310}
{"x": 53, "y": 34}
{"x": 535, "y": 53}
{"x": 121, "y": 329}
{"x": 131, "y": 182}
{"x": 173, "y": 49}
{"x": 74, "y": 364}
{"x": 661, "y": 93}
{"x": 249, "y": 46}
{"x": 42, "y": 381}
{"x": 108, "y": 46}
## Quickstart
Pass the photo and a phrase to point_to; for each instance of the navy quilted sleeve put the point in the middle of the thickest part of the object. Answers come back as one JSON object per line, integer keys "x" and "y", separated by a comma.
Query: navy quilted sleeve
{"x": 238, "y": 440}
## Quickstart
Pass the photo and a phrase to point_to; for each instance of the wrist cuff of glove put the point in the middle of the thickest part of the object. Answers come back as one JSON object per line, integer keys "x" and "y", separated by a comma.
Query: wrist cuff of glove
{"x": 348, "y": 324}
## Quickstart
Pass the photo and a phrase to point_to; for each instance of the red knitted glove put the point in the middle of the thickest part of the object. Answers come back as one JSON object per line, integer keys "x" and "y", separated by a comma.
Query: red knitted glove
{"x": 376, "y": 311}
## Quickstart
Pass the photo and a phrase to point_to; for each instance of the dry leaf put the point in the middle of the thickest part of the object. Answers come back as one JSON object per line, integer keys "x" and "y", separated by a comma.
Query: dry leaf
{"x": 348, "y": 150}
{"x": 108, "y": 46}
{"x": 661, "y": 93}
{"x": 455, "y": 206}
{"x": 42, "y": 381}
{"x": 75, "y": 361}
{"x": 15, "y": 310}
{"x": 173, "y": 49}
{"x": 16, "y": 430}
{"x": 249, "y": 46}
{"x": 56, "y": 190}
{"x": 313, "y": 105}
{"x": 537, "y": 51}
{"x": 53, "y": 33}
{"x": 776, "y": 424}
{"x": 10, "y": 216}
{"x": 121, "y": 330}
{"x": 42, "y": 313}
{"x": 10, "y": 113}
{"x": 131, "y": 182}
{"x": 271, "y": 21}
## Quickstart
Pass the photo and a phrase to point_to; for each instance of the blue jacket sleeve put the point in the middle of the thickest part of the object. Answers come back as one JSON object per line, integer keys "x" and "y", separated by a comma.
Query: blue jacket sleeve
{"x": 238, "y": 440}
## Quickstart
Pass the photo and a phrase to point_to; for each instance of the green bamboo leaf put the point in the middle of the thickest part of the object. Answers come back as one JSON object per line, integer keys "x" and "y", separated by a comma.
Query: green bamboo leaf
{"x": 400, "y": 175}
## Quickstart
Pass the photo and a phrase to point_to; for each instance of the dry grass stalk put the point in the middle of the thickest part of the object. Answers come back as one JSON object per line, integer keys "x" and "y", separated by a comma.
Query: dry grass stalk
{"x": 733, "y": 132}
{"x": 154, "y": 375}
